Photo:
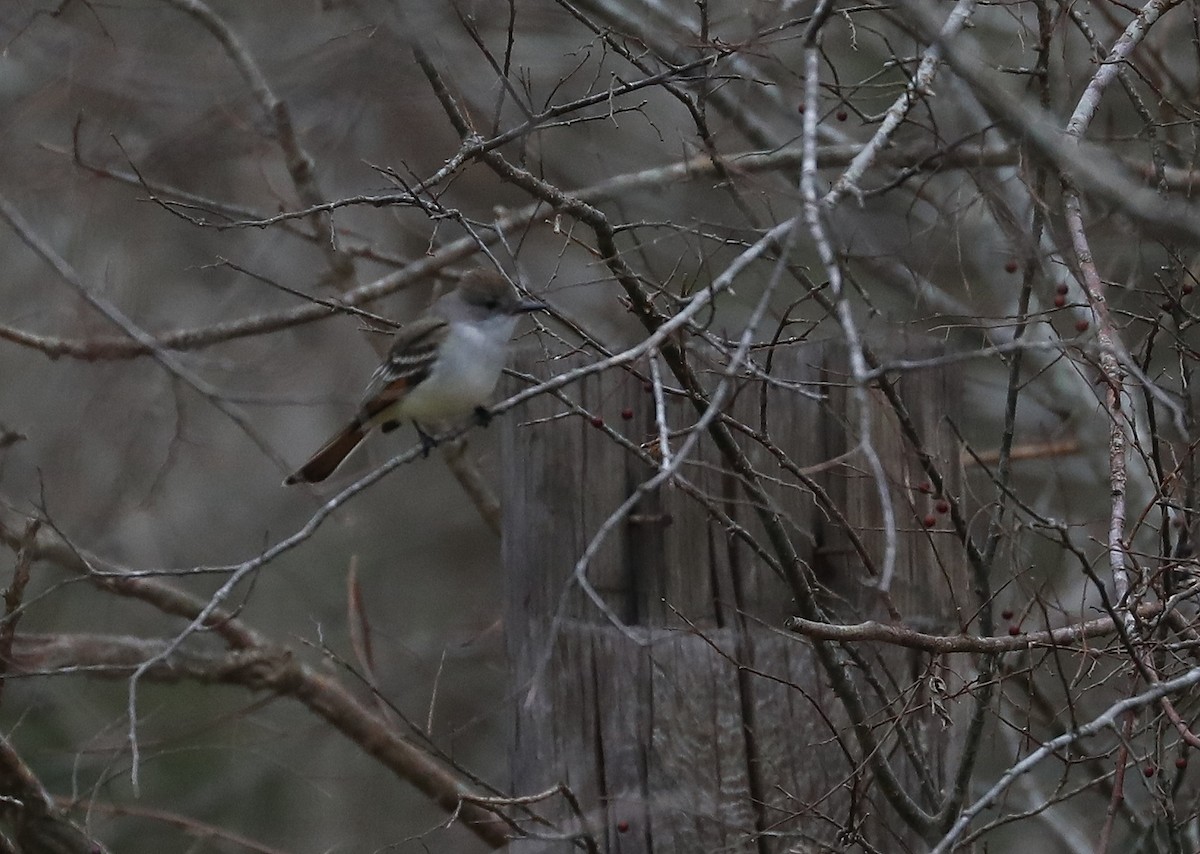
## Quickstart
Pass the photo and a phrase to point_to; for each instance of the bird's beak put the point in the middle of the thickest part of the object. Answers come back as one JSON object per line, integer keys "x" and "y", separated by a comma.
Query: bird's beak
{"x": 526, "y": 306}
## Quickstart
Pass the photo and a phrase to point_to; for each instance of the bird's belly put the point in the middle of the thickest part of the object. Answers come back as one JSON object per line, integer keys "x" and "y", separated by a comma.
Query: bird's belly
{"x": 456, "y": 386}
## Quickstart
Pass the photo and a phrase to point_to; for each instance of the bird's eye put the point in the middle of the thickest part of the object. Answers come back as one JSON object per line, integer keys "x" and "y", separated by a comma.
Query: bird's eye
{"x": 491, "y": 304}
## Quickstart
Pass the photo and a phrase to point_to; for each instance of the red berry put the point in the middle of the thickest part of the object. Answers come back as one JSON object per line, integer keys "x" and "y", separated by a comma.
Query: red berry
{"x": 842, "y": 115}
{"x": 800, "y": 107}
{"x": 1060, "y": 301}
{"x": 627, "y": 413}
{"x": 1014, "y": 630}
{"x": 597, "y": 421}
{"x": 1187, "y": 287}
{"x": 1007, "y": 614}
{"x": 1010, "y": 266}
{"x": 942, "y": 506}
{"x": 926, "y": 487}
{"x": 929, "y": 521}
{"x": 622, "y": 827}
{"x": 1181, "y": 762}
{"x": 647, "y": 387}
{"x": 1148, "y": 771}
{"x": 1081, "y": 326}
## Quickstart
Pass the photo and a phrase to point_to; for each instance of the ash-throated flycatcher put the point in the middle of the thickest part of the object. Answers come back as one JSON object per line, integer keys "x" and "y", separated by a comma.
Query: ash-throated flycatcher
{"x": 443, "y": 365}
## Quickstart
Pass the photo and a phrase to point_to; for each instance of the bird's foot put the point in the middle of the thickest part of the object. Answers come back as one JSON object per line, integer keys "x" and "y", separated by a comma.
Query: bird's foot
{"x": 428, "y": 443}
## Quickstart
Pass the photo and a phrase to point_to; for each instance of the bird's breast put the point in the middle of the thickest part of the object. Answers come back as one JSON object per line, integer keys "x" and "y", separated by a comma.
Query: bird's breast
{"x": 469, "y": 365}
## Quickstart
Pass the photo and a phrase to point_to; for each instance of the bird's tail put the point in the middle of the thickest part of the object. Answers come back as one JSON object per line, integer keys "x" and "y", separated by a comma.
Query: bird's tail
{"x": 325, "y": 461}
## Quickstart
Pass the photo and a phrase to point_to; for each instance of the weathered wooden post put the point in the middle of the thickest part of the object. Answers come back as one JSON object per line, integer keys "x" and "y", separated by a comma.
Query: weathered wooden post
{"x": 700, "y": 726}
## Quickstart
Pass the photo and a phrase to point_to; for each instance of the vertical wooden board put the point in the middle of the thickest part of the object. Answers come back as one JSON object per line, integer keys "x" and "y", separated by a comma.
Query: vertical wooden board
{"x": 720, "y": 574}
{"x": 647, "y": 527}
{"x": 732, "y": 566}
{"x": 534, "y": 753}
{"x": 577, "y": 722}
{"x": 930, "y": 565}
{"x": 697, "y": 783}
{"x": 693, "y": 549}
{"x": 600, "y": 463}
{"x": 685, "y": 593}
{"x": 560, "y": 484}
{"x": 593, "y": 733}
{"x": 793, "y": 422}
{"x": 798, "y": 743}
{"x": 621, "y": 744}
{"x": 948, "y": 582}
{"x": 557, "y": 490}
{"x": 548, "y": 503}
{"x": 933, "y": 567}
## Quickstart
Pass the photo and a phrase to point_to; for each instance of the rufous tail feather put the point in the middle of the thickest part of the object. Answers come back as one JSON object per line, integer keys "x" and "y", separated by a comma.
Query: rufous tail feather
{"x": 325, "y": 461}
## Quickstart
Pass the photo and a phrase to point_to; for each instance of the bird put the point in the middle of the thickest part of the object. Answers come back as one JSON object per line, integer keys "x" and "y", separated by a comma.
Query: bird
{"x": 443, "y": 365}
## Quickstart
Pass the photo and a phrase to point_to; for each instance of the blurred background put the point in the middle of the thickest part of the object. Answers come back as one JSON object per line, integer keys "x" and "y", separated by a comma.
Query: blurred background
{"x": 138, "y": 143}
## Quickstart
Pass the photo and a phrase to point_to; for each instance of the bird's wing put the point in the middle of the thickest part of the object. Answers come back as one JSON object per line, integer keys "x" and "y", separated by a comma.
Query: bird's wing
{"x": 408, "y": 362}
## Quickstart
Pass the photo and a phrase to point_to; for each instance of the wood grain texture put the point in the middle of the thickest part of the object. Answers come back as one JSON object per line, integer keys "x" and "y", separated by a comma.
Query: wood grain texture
{"x": 700, "y": 727}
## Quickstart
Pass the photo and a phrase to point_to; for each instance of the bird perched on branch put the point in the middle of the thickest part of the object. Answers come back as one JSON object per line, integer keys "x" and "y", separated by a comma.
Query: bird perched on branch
{"x": 442, "y": 365}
